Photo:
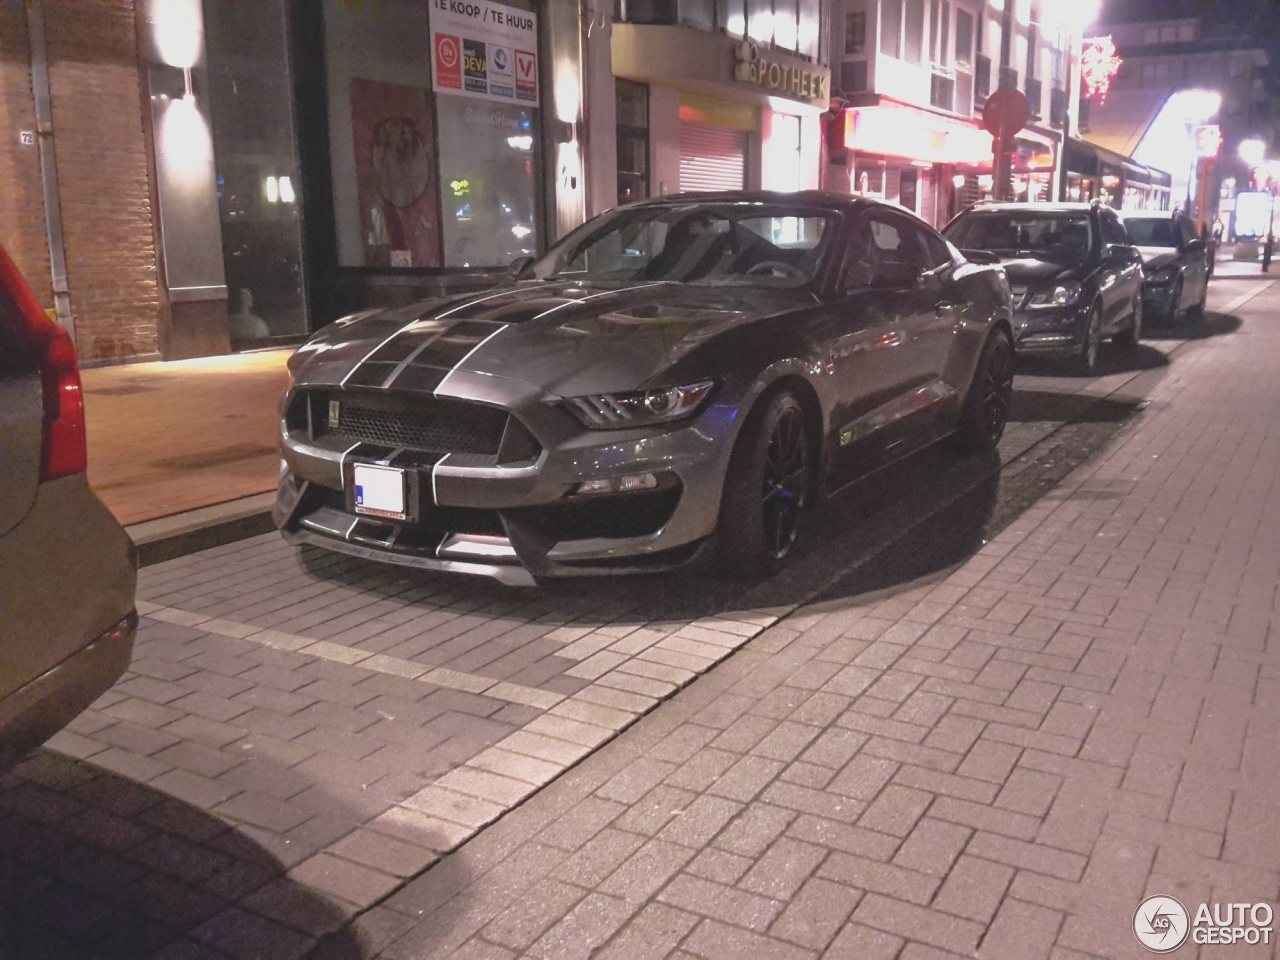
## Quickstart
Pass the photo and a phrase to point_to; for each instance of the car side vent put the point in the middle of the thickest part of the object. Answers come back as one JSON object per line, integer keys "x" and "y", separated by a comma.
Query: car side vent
{"x": 518, "y": 444}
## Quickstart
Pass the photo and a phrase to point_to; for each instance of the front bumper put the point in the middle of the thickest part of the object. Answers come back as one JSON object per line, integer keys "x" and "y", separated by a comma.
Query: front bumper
{"x": 515, "y": 519}
{"x": 36, "y": 711}
{"x": 1056, "y": 332}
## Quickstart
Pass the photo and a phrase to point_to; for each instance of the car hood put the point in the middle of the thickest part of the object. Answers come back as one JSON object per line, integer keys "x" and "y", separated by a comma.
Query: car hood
{"x": 1032, "y": 271}
{"x": 1153, "y": 258}
{"x": 566, "y": 339}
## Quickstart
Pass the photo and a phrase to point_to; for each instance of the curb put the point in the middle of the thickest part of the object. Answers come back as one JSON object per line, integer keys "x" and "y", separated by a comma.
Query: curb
{"x": 184, "y": 533}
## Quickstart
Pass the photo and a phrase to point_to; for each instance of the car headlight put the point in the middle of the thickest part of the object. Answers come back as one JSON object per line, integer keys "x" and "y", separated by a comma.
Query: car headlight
{"x": 615, "y": 411}
{"x": 1163, "y": 275}
{"x": 1058, "y": 295}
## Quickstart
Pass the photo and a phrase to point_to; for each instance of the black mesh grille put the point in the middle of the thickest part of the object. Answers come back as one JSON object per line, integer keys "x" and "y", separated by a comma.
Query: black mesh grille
{"x": 585, "y": 518}
{"x": 434, "y": 424}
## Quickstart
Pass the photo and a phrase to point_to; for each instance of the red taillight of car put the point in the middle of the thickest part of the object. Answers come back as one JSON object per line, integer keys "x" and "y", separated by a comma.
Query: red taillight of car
{"x": 64, "y": 449}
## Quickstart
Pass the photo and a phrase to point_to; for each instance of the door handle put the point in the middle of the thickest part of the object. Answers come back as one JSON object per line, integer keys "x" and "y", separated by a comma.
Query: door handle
{"x": 945, "y": 310}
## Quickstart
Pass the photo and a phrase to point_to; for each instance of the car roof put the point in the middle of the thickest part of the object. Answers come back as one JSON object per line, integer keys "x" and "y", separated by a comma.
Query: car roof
{"x": 1149, "y": 214}
{"x": 1035, "y": 207}
{"x": 800, "y": 198}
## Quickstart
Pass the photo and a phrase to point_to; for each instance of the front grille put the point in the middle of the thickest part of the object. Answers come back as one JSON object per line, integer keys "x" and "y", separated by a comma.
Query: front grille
{"x": 418, "y": 422}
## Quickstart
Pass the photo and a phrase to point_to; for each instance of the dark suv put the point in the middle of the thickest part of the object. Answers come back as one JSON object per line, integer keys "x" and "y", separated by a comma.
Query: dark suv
{"x": 1076, "y": 280}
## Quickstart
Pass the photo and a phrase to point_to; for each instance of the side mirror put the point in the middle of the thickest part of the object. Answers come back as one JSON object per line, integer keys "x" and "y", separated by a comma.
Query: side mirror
{"x": 1195, "y": 245}
{"x": 519, "y": 267}
{"x": 980, "y": 256}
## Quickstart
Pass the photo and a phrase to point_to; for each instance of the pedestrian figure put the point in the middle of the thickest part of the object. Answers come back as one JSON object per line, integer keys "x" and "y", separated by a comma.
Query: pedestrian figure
{"x": 1266, "y": 252}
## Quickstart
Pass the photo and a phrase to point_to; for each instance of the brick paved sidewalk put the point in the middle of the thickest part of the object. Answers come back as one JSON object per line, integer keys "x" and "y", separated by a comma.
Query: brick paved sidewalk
{"x": 999, "y": 761}
{"x": 169, "y": 437}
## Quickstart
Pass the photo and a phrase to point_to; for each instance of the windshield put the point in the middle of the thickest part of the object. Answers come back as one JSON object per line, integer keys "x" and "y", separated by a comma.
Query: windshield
{"x": 1049, "y": 236}
{"x": 1151, "y": 232}
{"x": 750, "y": 245}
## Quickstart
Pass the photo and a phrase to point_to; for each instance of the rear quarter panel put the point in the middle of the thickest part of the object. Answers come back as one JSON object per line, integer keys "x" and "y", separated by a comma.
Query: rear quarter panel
{"x": 67, "y": 575}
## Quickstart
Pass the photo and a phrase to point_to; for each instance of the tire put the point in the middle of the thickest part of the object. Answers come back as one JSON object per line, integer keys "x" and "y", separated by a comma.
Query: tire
{"x": 766, "y": 490}
{"x": 1128, "y": 341}
{"x": 1175, "y": 305}
{"x": 1197, "y": 312}
{"x": 1086, "y": 361}
{"x": 986, "y": 405}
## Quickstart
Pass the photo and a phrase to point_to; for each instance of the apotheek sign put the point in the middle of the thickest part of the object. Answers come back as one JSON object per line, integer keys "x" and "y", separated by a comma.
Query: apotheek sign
{"x": 775, "y": 76}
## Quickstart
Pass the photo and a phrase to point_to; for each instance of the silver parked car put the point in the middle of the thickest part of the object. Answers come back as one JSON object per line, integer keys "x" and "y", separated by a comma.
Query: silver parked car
{"x": 67, "y": 569}
{"x": 677, "y": 376}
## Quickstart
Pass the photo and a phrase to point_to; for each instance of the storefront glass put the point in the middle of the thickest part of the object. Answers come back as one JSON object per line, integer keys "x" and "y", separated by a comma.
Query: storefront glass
{"x": 256, "y": 157}
{"x": 433, "y": 132}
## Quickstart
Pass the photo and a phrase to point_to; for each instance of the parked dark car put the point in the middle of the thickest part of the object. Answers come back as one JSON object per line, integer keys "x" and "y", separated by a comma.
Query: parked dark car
{"x": 677, "y": 377}
{"x": 67, "y": 569}
{"x": 1076, "y": 279}
{"x": 1175, "y": 262}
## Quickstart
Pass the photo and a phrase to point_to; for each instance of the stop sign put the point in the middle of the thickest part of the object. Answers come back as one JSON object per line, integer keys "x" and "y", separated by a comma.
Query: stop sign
{"x": 1005, "y": 112}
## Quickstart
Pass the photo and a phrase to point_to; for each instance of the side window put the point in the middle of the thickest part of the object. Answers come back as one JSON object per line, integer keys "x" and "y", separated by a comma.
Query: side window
{"x": 1112, "y": 231}
{"x": 890, "y": 250}
{"x": 936, "y": 249}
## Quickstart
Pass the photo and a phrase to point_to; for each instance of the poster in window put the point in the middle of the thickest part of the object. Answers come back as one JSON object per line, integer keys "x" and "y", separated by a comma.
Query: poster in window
{"x": 393, "y": 127}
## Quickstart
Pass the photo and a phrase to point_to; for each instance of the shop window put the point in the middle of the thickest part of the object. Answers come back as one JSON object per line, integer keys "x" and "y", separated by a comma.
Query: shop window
{"x": 784, "y": 150}
{"x": 1186, "y": 33}
{"x": 1151, "y": 35}
{"x": 431, "y": 171}
{"x": 1168, "y": 34}
{"x": 256, "y": 158}
{"x": 486, "y": 174}
{"x": 633, "y": 141}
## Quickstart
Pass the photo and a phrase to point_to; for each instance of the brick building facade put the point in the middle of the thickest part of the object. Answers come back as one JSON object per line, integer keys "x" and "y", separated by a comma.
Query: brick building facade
{"x": 103, "y": 183}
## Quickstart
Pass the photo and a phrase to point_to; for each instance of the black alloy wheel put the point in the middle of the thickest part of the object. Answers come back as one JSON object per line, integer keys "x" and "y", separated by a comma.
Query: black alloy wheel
{"x": 990, "y": 396}
{"x": 766, "y": 490}
{"x": 785, "y": 482}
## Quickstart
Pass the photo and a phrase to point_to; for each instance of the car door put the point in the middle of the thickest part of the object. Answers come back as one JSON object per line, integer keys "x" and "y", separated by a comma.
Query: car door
{"x": 1120, "y": 282}
{"x": 881, "y": 308}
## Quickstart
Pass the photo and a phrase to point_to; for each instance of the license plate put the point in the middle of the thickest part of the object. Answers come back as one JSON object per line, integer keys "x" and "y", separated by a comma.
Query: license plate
{"x": 379, "y": 491}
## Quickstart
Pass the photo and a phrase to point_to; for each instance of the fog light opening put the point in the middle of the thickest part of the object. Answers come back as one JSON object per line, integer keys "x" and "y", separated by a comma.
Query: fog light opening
{"x": 628, "y": 484}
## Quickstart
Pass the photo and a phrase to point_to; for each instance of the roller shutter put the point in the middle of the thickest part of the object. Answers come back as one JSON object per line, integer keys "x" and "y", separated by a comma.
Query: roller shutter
{"x": 712, "y": 158}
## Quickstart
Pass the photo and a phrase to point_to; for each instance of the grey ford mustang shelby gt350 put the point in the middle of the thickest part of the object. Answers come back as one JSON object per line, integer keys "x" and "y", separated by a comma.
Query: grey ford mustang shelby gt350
{"x": 677, "y": 377}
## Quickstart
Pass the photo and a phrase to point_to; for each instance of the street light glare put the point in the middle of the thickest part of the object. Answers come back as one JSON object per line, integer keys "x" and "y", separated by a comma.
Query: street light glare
{"x": 1197, "y": 106}
{"x": 1252, "y": 152}
{"x": 1074, "y": 15}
